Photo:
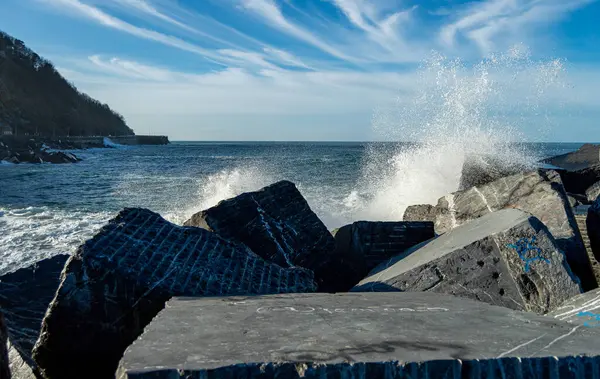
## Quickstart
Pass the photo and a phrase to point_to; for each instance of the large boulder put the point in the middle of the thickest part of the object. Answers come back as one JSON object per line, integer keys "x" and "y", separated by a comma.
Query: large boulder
{"x": 480, "y": 170}
{"x": 365, "y": 245}
{"x": 119, "y": 280}
{"x": 580, "y": 169}
{"x": 375, "y": 335}
{"x": 4, "y": 370}
{"x": 24, "y": 297}
{"x": 277, "y": 224}
{"x": 419, "y": 212}
{"x": 539, "y": 193}
{"x": 593, "y": 227}
{"x": 505, "y": 258}
{"x": 583, "y": 309}
{"x": 593, "y": 192}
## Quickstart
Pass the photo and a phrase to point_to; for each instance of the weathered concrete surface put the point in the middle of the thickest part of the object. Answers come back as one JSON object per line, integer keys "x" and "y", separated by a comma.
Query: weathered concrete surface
{"x": 420, "y": 212}
{"x": 583, "y": 309}
{"x": 4, "y": 370}
{"x": 24, "y": 298}
{"x": 539, "y": 193}
{"x": 356, "y": 336}
{"x": 365, "y": 244}
{"x": 277, "y": 224}
{"x": 120, "y": 279}
{"x": 593, "y": 192}
{"x": 505, "y": 258}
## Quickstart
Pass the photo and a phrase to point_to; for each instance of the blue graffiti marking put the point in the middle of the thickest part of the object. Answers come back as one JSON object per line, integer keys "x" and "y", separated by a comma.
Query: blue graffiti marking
{"x": 525, "y": 246}
{"x": 594, "y": 316}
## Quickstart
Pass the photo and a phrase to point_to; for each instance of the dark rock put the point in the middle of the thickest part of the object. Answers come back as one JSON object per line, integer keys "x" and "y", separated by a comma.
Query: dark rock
{"x": 24, "y": 297}
{"x": 364, "y": 245}
{"x": 583, "y": 309}
{"x": 539, "y": 193}
{"x": 421, "y": 212}
{"x": 277, "y": 224}
{"x": 119, "y": 280}
{"x": 375, "y": 335}
{"x": 593, "y": 228}
{"x": 579, "y": 181}
{"x": 593, "y": 192}
{"x": 588, "y": 155}
{"x": 480, "y": 170}
{"x": 22, "y": 150}
{"x": 577, "y": 199}
{"x": 505, "y": 258}
{"x": 4, "y": 370}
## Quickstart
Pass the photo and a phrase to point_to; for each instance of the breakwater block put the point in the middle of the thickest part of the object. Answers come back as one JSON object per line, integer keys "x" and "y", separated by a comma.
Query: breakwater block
{"x": 419, "y": 212}
{"x": 120, "y": 279}
{"x": 583, "y": 309}
{"x": 365, "y": 244}
{"x": 593, "y": 227}
{"x": 277, "y": 223}
{"x": 24, "y": 298}
{"x": 505, "y": 258}
{"x": 540, "y": 193}
{"x": 357, "y": 335}
{"x": 4, "y": 370}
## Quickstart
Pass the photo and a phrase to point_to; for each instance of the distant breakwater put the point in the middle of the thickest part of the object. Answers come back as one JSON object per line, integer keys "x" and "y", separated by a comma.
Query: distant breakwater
{"x": 120, "y": 140}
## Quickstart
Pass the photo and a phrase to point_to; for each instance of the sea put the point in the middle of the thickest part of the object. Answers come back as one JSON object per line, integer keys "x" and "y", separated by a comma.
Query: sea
{"x": 49, "y": 209}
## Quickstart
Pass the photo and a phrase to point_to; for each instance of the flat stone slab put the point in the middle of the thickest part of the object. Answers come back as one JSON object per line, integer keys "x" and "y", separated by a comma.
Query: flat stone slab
{"x": 539, "y": 193}
{"x": 583, "y": 309}
{"x": 119, "y": 280}
{"x": 277, "y": 224}
{"x": 359, "y": 335}
{"x": 505, "y": 258}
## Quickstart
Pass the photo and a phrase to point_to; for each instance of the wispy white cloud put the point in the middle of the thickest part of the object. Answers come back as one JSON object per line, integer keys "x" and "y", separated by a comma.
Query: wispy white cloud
{"x": 495, "y": 24}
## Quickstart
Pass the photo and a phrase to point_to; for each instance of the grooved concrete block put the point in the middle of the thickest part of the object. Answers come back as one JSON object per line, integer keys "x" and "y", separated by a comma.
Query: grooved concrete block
{"x": 4, "y": 370}
{"x": 420, "y": 212}
{"x": 539, "y": 193}
{"x": 357, "y": 335}
{"x": 24, "y": 298}
{"x": 120, "y": 279}
{"x": 365, "y": 244}
{"x": 583, "y": 309}
{"x": 505, "y": 258}
{"x": 278, "y": 225}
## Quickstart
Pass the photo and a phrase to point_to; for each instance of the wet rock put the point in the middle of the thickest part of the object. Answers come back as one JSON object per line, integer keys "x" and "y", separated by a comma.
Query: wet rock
{"x": 24, "y": 297}
{"x": 4, "y": 370}
{"x": 583, "y": 310}
{"x": 374, "y": 335}
{"x": 539, "y": 193}
{"x": 120, "y": 279}
{"x": 593, "y": 192}
{"x": 505, "y": 258}
{"x": 480, "y": 170}
{"x": 364, "y": 244}
{"x": 420, "y": 212}
{"x": 277, "y": 224}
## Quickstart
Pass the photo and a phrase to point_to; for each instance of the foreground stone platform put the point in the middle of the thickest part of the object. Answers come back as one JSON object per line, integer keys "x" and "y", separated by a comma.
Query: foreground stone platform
{"x": 505, "y": 258}
{"x": 375, "y": 335}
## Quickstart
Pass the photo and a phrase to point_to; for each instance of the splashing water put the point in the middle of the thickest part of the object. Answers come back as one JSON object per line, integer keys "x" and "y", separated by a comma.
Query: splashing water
{"x": 459, "y": 114}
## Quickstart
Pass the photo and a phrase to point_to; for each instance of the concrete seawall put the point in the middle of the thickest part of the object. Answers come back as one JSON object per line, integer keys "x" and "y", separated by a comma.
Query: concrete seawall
{"x": 121, "y": 140}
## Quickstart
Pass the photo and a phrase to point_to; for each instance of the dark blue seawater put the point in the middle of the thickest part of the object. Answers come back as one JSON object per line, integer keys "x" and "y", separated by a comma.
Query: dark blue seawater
{"x": 50, "y": 209}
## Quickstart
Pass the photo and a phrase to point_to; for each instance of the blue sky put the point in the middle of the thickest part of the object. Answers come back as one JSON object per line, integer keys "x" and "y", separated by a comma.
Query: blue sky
{"x": 321, "y": 69}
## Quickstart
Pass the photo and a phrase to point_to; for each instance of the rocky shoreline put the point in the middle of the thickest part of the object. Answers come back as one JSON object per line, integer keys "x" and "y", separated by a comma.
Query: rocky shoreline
{"x": 494, "y": 281}
{"x": 31, "y": 150}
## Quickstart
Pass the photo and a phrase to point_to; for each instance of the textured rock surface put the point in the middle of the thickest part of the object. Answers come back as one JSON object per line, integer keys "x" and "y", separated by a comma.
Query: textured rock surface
{"x": 583, "y": 309}
{"x": 539, "y": 193}
{"x": 4, "y": 370}
{"x": 480, "y": 170}
{"x": 357, "y": 336}
{"x": 24, "y": 297}
{"x": 593, "y": 228}
{"x": 277, "y": 224}
{"x": 588, "y": 155}
{"x": 364, "y": 244}
{"x": 119, "y": 280}
{"x": 505, "y": 258}
{"x": 593, "y": 192}
{"x": 420, "y": 212}
{"x": 579, "y": 181}
{"x": 21, "y": 367}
